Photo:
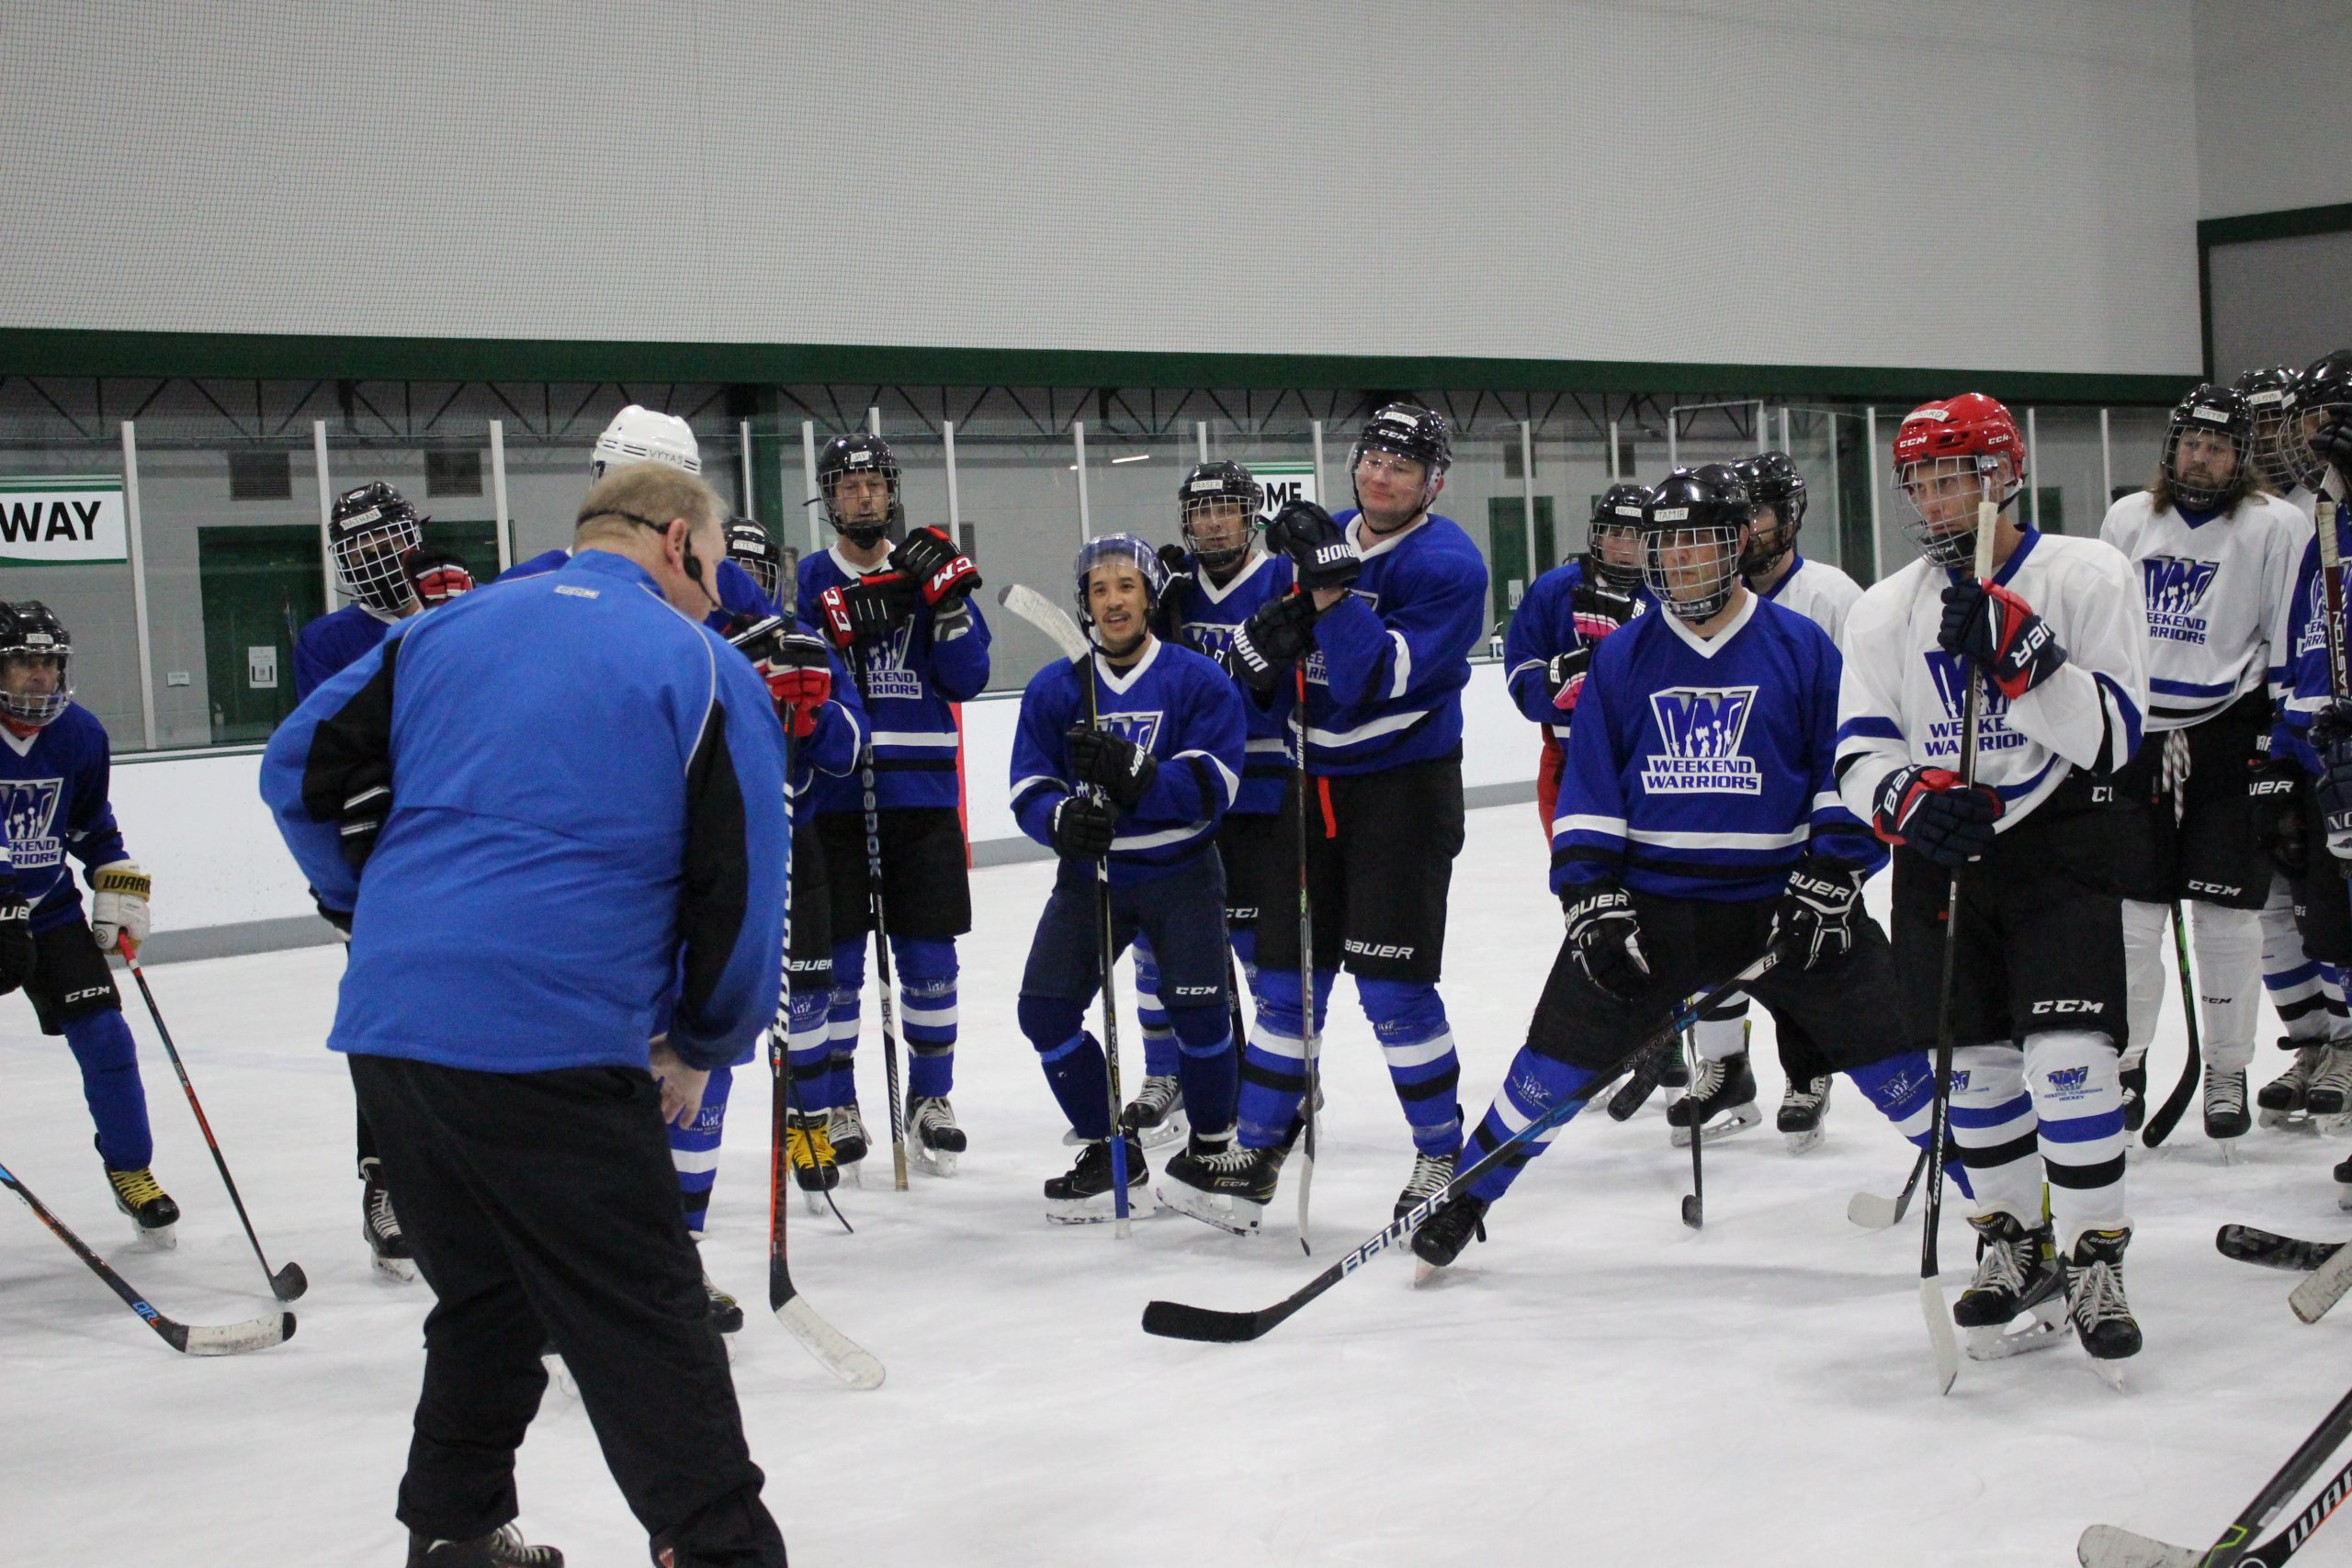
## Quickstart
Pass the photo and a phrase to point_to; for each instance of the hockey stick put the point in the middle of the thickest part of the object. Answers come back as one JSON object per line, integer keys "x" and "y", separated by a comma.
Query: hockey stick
{"x": 2268, "y": 1249}
{"x": 1054, "y": 621}
{"x": 2330, "y": 571}
{"x": 1649, "y": 1071}
{"x": 1310, "y": 1031}
{"x": 2105, "y": 1546}
{"x": 1175, "y": 1320}
{"x": 2176, "y": 1104}
{"x": 193, "y": 1340}
{"x": 1941, "y": 1339}
{"x": 287, "y": 1283}
{"x": 881, "y": 935}
{"x": 1694, "y": 1202}
{"x": 1873, "y": 1213}
{"x": 2315, "y": 1296}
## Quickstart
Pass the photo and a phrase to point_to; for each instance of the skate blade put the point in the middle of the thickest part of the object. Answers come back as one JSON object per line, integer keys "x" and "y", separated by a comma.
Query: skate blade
{"x": 1804, "y": 1143}
{"x": 163, "y": 1238}
{"x": 396, "y": 1271}
{"x": 1170, "y": 1130}
{"x": 2110, "y": 1373}
{"x": 559, "y": 1375}
{"x": 935, "y": 1162}
{"x": 2300, "y": 1122}
{"x": 2000, "y": 1343}
{"x": 1101, "y": 1209}
{"x": 815, "y": 1200}
{"x": 2229, "y": 1150}
{"x": 1428, "y": 1276}
{"x": 1731, "y": 1122}
{"x": 1235, "y": 1216}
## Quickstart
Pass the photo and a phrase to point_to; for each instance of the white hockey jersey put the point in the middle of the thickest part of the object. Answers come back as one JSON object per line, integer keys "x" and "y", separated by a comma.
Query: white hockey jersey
{"x": 1900, "y": 701}
{"x": 2218, "y": 595}
{"x": 1819, "y": 591}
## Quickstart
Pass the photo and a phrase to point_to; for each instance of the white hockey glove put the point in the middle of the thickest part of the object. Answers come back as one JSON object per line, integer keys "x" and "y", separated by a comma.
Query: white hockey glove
{"x": 118, "y": 903}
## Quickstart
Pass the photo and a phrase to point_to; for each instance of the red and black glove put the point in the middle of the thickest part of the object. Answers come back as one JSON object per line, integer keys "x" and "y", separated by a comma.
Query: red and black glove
{"x": 1927, "y": 810}
{"x": 440, "y": 579}
{"x": 794, "y": 663}
{"x": 2013, "y": 646}
{"x": 929, "y": 558}
{"x": 869, "y": 608}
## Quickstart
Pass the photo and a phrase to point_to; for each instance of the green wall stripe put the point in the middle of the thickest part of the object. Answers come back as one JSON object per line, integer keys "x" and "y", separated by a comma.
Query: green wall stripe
{"x": 2289, "y": 223}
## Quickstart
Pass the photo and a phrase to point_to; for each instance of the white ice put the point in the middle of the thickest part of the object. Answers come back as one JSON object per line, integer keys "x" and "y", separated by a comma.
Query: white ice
{"x": 1597, "y": 1384}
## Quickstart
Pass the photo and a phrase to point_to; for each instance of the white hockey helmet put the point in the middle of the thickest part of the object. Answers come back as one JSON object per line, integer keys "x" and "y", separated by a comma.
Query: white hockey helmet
{"x": 639, "y": 435}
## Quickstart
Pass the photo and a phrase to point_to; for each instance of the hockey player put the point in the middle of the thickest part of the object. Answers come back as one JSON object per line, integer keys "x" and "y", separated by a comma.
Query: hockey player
{"x": 750, "y": 545}
{"x": 1391, "y": 603}
{"x": 2216, "y": 558}
{"x": 1138, "y": 780}
{"x": 917, "y": 645}
{"x": 1562, "y": 618}
{"x": 1217, "y": 581}
{"x": 1700, "y": 821}
{"x": 2058, "y": 641}
{"x": 53, "y": 771}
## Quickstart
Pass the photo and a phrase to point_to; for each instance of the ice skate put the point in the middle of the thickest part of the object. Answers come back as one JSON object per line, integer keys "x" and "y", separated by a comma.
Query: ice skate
{"x": 2330, "y": 1091}
{"x": 1803, "y": 1109}
{"x": 502, "y": 1548}
{"x": 808, "y": 1148}
{"x": 1441, "y": 1237}
{"x": 2017, "y": 1275}
{"x": 846, "y": 1130}
{"x": 2282, "y": 1100}
{"x": 1430, "y": 1177}
{"x": 381, "y": 1227}
{"x": 1228, "y": 1188}
{"x": 1083, "y": 1196}
{"x": 1157, "y": 1112}
{"x": 151, "y": 1208}
{"x": 2344, "y": 1185}
{"x": 2225, "y": 1113}
{"x": 2136, "y": 1094}
{"x": 1722, "y": 1100}
{"x": 726, "y": 1312}
{"x": 2094, "y": 1301}
{"x": 937, "y": 1138}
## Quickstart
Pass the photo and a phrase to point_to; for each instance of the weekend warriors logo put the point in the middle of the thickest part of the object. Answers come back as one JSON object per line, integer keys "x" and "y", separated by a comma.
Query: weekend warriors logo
{"x": 29, "y": 806}
{"x": 1138, "y": 728}
{"x": 887, "y": 672}
{"x": 1701, "y": 730}
{"x": 2175, "y": 585}
{"x": 2068, "y": 1083}
{"x": 1992, "y": 731}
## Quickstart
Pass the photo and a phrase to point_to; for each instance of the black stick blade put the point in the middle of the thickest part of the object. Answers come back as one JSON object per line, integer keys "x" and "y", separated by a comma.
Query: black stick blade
{"x": 288, "y": 1283}
{"x": 2247, "y": 1243}
{"x": 1694, "y": 1213}
{"x": 1174, "y": 1320}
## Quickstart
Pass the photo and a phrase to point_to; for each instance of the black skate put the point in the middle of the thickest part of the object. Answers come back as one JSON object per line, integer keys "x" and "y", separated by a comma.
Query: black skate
{"x": 2095, "y": 1303}
{"x": 1083, "y": 1196}
{"x": 811, "y": 1153}
{"x": 2282, "y": 1099}
{"x": 2225, "y": 1112}
{"x": 381, "y": 1227}
{"x": 2136, "y": 1096}
{"x": 1443, "y": 1235}
{"x": 502, "y": 1548}
{"x": 2331, "y": 1087}
{"x": 1227, "y": 1188}
{"x": 846, "y": 1130}
{"x": 1430, "y": 1175}
{"x": 151, "y": 1208}
{"x": 1157, "y": 1112}
{"x": 1722, "y": 1100}
{"x": 2344, "y": 1185}
{"x": 1803, "y": 1109}
{"x": 726, "y": 1312}
{"x": 2017, "y": 1274}
{"x": 937, "y": 1138}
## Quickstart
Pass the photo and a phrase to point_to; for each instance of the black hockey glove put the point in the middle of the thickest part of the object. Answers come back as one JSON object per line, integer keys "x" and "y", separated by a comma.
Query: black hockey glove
{"x": 2332, "y": 445}
{"x": 361, "y": 818}
{"x": 1320, "y": 549}
{"x": 869, "y": 608}
{"x": 2330, "y": 727}
{"x": 1599, "y": 609}
{"x": 1927, "y": 810}
{"x": 1607, "y": 937}
{"x": 1277, "y": 635}
{"x": 2336, "y": 799}
{"x": 15, "y": 939}
{"x": 1081, "y": 826}
{"x": 2276, "y": 790}
{"x": 1816, "y": 913}
{"x": 1123, "y": 769}
{"x": 1167, "y": 613}
{"x": 339, "y": 918}
{"x": 929, "y": 558}
{"x": 2013, "y": 646}
{"x": 1564, "y": 676}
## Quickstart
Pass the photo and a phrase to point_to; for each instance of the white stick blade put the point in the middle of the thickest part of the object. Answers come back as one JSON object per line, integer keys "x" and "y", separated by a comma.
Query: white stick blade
{"x": 1871, "y": 1212}
{"x": 1941, "y": 1339}
{"x": 237, "y": 1339}
{"x": 1047, "y": 617}
{"x": 834, "y": 1350}
{"x": 2104, "y": 1546}
{"x": 2311, "y": 1299}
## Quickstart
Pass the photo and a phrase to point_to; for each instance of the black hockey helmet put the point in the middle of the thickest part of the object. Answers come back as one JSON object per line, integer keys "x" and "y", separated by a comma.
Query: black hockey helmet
{"x": 860, "y": 453}
{"x": 2222, "y": 414}
{"x": 1701, "y": 509}
{"x": 1221, "y": 483}
{"x": 749, "y": 547}
{"x": 1410, "y": 431}
{"x": 1617, "y": 515}
{"x": 1772, "y": 480}
{"x": 31, "y": 630}
{"x": 2323, "y": 395}
{"x": 374, "y": 531}
{"x": 2269, "y": 393}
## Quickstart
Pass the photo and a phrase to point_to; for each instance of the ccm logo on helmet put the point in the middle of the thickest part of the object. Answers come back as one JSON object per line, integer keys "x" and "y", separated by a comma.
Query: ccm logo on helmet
{"x": 2066, "y": 1005}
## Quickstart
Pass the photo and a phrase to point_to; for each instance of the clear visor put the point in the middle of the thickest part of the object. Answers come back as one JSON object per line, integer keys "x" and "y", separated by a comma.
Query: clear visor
{"x": 35, "y": 687}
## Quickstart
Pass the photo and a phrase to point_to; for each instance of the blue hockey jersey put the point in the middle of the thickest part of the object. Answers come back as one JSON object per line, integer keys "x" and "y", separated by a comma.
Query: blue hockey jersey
{"x": 1204, "y": 620}
{"x": 1176, "y": 705}
{"x": 328, "y": 642}
{"x": 1385, "y": 687}
{"x": 913, "y": 678}
{"x": 1541, "y": 628}
{"x": 55, "y": 803}
{"x": 2311, "y": 682}
{"x": 1701, "y": 768}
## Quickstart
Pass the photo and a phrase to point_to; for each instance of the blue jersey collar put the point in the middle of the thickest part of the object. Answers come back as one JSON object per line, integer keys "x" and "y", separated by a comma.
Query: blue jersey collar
{"x": 2027, "y": 539}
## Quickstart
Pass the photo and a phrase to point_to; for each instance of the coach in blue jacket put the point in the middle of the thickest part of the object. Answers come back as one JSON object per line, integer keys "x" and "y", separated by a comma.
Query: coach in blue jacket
{"x": 555, "y": 810}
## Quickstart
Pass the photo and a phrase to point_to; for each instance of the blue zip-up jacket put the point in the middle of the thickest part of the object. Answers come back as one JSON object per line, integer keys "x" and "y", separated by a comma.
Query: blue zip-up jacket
{"x": 1541, "y": 628}
{"x": 912, "y": 678}
{"x": 1203, "y": 617}
{"x": 1182, "y": 708}
{"x": 53, "y": 786}
{"x": 587, "y": 823}
{"x": 1385, "y": 687}
{"x": 327, "y": 643}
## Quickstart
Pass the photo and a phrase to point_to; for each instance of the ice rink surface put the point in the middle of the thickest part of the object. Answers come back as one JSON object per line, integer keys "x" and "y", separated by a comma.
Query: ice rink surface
{"x": 1595, "y": 1384}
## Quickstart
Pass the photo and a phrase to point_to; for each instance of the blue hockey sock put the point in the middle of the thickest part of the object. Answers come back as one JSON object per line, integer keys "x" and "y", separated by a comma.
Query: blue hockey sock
{"x": 1902, "y": 1086}
{"x": 101, "y": 1043}
{"x": 1533, "y": 1085}
{"x": 693, "y": 1149}
{"x": 1245, "y": 954}
{"x": 1206, "y": 1066}
{"x": 1159, "y": 1035}
{"x": 842, "y": 1018}
{"x": 808, "y": 1054}
{"x": 1273, "y": 1067}
{"x": 1073, "y": 1062}
{"x": 926, "y": 975}
{"x": 1410, "y": 1021}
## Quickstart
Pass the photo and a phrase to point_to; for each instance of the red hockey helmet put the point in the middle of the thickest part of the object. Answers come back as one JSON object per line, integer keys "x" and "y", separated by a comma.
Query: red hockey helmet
{"x": 1971, "y": 424}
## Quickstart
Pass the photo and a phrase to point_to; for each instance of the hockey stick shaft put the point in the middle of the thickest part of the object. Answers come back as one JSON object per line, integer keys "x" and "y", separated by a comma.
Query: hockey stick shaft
{"x": 1107, "y": 975}
{"x": 2331, "y": 571}
{"x": 1175, "y": 1320}
{"x": 1871, "y": 1212}
{"x": 2176, "y": 1105}
{"x": 881, "y": 937}
{"x": 1310, "y": 1037}
{"x": 1694, "y": 1207}
{"x": 227, "y": 1339}
{"x": 287, "y": 1283}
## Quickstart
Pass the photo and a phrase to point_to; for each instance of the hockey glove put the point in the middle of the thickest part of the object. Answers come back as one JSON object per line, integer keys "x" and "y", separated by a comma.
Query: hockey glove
{"x": 339, "y": 918}
{"x": 2332, "y": 445}
{"x": 2336, "y": 799}
{"x": 118, "y": 903}
{"x": 1927, "y": 810}
{"x": 1277, "y": 635}
{"x": 1607, "y": 937}
{"x": 929, "y": 557}
{"x": 1599, "y": 609}
{"x": 1168, "y": 613}
{"x": 440, "y": 579}
{"x": 1081, "y": 826}
{"x": 2013, "y": 646}
{"x": 869, "y": 608}
{"x": 798, "y": 672}
{"x": 1325, "y": 556}
{"x": 2276, "y": 790}
{"x": 1816, "y": 913}
{"x": 1123, "y": 769}
{"x": 2330, "y": 728}
{"x": 15, "y": 939}
{"x": 1564, "y": 677}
